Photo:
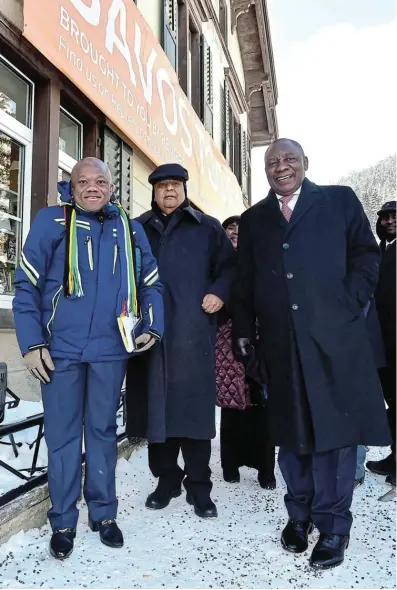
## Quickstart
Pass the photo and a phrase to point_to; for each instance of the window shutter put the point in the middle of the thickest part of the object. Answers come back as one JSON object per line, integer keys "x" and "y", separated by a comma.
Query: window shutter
{"x": 126, "y": 178}
{"x": 225, "y": 122}
{"x": 170, "y": 31}
{"x": 118, "y": 157}
{"x": 244, "y": 163}
{"x": 207, "y": 87}
{"x": 237, "y": 150}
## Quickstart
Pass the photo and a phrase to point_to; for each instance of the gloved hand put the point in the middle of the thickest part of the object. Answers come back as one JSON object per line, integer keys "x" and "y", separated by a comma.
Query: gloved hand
{"x": 144, "y": 342}
{"x": 242, "y": 346}
{"x": 37, "y": 361}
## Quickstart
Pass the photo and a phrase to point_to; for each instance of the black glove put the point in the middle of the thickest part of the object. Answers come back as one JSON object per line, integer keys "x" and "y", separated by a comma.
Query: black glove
{"x": 243, "y": 346}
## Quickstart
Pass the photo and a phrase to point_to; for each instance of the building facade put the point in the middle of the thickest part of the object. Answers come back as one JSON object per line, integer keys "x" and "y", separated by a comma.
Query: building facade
{"x": 136, "y": 84}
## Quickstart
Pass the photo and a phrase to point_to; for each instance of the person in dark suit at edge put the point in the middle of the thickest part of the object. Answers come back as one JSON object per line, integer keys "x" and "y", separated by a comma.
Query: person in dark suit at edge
{"x": 385, "y": 297}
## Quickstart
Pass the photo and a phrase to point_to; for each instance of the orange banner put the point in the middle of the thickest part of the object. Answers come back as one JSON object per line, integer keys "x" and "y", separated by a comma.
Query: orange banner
{"x": 107, "y": 50}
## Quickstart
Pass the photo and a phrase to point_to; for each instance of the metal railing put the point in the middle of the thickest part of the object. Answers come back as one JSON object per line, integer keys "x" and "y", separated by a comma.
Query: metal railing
{"x": 34, "y": 475}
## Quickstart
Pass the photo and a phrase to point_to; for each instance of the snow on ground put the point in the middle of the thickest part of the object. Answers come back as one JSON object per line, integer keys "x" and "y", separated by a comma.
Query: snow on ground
{"x": 173, "y": 548}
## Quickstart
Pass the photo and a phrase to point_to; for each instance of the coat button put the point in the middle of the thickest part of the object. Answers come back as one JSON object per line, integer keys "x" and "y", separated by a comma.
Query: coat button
{"x": 295, "y": 307}
{"x": 290, "y": 275}
{"x": 285, "y": 246}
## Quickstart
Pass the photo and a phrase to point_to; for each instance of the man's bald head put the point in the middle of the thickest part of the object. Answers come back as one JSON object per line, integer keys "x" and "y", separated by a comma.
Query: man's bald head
{"x": 91, "y": 184}
{"x": 285, "y": 165}
{"x": 93, "y": 162}
{"x": 285, "y": 142}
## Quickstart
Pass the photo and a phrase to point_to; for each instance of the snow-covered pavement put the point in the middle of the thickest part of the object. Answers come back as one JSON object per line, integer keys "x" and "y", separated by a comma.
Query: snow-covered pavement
{"x": 173, "y": 548}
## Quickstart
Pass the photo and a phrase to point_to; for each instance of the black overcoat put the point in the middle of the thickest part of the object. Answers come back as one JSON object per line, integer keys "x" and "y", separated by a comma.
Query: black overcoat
{"x": 171, "y": 389}
{"x": 308, "y": 281}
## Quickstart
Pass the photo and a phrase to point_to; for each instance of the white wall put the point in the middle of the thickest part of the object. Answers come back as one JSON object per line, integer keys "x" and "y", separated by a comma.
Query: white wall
{"x": 152, "y": 12}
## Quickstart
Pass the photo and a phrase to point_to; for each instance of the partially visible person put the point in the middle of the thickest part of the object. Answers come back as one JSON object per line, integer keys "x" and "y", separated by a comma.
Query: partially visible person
{"x": 244, "y": 439}
{"x": 174, "y": 404}
{"x": 376, "y": 340}
{"x": 385, "y": 297}
{"x": 86, "y": 270}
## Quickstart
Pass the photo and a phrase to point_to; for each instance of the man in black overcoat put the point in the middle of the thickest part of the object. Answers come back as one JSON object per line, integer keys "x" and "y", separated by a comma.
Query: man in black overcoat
{"x": 385, "y": 297}
{"x": 171, "y": 390}
{"x": 307, "y": 265}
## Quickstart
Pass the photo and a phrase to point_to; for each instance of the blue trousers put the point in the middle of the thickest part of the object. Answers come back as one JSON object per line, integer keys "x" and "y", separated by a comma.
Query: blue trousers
{"x": 320, "y": 487}
{"x": 82, "y": 397}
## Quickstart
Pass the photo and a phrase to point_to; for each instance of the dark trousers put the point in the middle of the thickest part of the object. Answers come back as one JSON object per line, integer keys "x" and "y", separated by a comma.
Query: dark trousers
{"x": 82, "y": 397}
{"x": 196, "y": 477}
{"x": 320, "y": 487}
{"x": 387, "y": 377}
{"x": 244, "y": 440}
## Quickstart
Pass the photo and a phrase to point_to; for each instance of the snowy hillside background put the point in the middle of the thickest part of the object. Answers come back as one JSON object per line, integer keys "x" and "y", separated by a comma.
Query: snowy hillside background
{"x": 374, "y": 185}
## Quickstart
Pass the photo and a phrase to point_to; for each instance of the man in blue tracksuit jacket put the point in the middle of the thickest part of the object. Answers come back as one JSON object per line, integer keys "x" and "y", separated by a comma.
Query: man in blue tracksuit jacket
{"x": 87, "y": 296}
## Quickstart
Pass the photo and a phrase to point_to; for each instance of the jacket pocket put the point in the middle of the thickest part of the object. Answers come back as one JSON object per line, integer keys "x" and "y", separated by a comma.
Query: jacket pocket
{"x": 150, "y": 312}
{"x": 90, "y": 255}
{"x": 55, "y": 301}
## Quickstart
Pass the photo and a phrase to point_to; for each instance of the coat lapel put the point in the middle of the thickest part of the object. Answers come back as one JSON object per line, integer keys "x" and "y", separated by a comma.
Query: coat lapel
{"x": 271, "y": 208}
{"x": 309, "y": 196}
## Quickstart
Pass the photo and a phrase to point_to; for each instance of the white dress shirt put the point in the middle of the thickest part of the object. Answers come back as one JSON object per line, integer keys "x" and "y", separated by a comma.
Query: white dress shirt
{"x": 292, "y": 202}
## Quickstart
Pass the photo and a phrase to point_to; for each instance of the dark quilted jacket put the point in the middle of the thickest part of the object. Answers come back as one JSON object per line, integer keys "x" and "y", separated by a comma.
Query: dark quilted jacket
{"x": 232, "y": 391}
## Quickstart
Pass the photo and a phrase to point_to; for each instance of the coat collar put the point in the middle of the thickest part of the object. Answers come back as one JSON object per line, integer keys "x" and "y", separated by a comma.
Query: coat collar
{"x": 309, "y": 195}
{"x": 151, "y": 216}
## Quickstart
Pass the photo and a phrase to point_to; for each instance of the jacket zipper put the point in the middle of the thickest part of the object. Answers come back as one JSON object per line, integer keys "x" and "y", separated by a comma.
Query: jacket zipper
{"x": 55, "y": 301}
{"x": 115, "y": 257}
{"x": 89, "y": 248}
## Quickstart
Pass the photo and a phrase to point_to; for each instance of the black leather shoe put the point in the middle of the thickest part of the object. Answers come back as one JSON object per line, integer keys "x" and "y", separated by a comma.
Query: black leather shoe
{"x": 267, "y": 482}
{"x": 231, "y": 475}
{"x": 391, "y": 479}
{"x": 109, "y": 532}
{"x": 294, "y": 537}
{"x": 386, "y": 466}
{"x": 161, "y": 497}
{"x": 61, "y": 544}
{"x": 203, "y": 508}
{"x": 329, "y": 551}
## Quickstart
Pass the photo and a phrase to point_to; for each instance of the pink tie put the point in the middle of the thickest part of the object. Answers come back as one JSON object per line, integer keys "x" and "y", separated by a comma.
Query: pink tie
{"x": 285, "y": 210}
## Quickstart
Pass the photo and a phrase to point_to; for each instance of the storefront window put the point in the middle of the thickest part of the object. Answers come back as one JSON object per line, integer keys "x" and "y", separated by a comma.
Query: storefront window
{"x": 11, "y": 156}
{"x": 14, "y": 95}
{"x": 70, "y": 144}
{"x": 16, "y": 139}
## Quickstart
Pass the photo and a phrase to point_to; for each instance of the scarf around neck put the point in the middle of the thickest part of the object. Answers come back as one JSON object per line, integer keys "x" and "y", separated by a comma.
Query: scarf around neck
{"x": 127, "y": 303}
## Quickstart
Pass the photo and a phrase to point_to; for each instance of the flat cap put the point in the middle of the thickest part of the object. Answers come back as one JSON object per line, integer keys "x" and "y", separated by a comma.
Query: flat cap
{"x": 169, "y": 172}
{"x": 387, "y": 207}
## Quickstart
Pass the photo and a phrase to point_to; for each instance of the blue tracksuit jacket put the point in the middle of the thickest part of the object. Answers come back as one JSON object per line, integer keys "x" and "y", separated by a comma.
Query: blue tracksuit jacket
{"x": 85, "y": 328}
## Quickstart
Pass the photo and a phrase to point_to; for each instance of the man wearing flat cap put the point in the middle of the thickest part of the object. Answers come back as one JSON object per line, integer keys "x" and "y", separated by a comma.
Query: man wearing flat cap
{"x": 385, "y": 298}
{"x": 171, "y": 391}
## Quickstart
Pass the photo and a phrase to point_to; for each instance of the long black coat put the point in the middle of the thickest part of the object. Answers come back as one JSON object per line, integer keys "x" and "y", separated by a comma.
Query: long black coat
{"x": 307, "y": 281}
{"x": 171, "y": 389}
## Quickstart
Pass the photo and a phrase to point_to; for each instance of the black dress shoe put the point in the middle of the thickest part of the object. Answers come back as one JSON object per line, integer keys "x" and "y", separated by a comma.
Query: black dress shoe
{"x": 267, "y": 482}
{"x": 294, "y": 537}
{"x": 386, "y": 466}
{"x": 161, "y": 497}
{"x": 109, "y": 532}
{"x": 61, "y": 544}
{"x": 329, "y": 551}
{"x": 391, "y": 479}
{"x": 231, "y": 475}
{"x": 203, "y": 508}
